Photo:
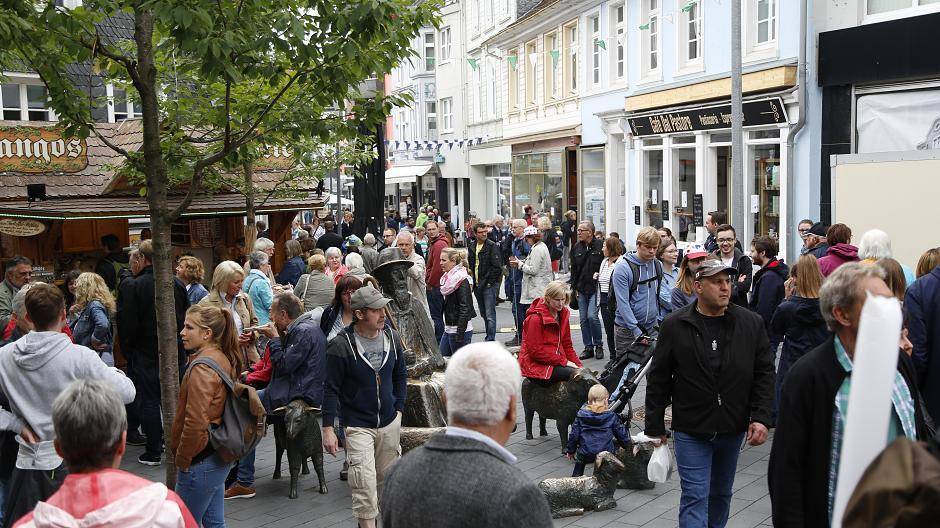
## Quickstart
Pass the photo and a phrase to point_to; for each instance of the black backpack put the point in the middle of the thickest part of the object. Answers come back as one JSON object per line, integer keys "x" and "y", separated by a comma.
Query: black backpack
{"x": 635, "y": 283}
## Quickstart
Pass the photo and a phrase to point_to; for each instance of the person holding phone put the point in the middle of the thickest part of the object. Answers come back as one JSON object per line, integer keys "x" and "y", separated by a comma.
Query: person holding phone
{"x": 227, "y": 281}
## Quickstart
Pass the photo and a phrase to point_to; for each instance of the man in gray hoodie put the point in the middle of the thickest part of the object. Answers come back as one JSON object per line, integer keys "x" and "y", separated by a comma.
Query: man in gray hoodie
{"x": 33, "y": 371}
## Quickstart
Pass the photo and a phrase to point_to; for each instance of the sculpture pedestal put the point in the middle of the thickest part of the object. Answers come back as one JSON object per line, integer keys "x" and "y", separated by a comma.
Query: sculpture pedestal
{"x": 412, "y": 437}
{"x": 424, "y": 404}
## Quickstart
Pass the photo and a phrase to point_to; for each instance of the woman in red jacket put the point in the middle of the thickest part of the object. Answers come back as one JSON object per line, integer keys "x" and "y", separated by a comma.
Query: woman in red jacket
{"x": 547, "y": 355}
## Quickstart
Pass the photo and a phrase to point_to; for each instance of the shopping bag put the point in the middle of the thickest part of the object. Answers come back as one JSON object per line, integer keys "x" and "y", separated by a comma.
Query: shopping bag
{"x": 660, "y": 466}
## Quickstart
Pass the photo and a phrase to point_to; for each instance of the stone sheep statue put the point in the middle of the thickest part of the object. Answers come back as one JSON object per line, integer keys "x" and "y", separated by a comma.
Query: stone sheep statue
{"x": 298, "y": 431}
{"x": 569, "y": 496}
{"x": 558, "y": 401}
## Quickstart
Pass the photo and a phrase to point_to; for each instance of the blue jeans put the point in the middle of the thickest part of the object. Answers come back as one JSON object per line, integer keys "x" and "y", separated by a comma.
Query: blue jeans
{"x": 591, "y": 332}
{"x": 436, "y": 306}
{"x": 486, "y": 300}
{"x": 628, "y": 371}
{"x": 147, "y": 382}
{"x": 706, "y": 470}
{"x": 246, "y": 465}
{"x": 447, "y": 345}
{"x": 202, "y": 489}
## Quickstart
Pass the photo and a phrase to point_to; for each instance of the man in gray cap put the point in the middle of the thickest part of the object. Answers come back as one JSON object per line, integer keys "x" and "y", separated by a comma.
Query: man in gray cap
{"x": 365, "y": 374}
{"x": 713, "y": 364}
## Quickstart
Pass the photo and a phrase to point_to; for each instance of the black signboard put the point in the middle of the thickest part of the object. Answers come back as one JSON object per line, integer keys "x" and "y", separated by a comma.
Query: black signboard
{"x": 763, "y": 112}
{"x": 636, "y": 215}
{"x": 698, "y": 210}
{"x": 664, "y": 207}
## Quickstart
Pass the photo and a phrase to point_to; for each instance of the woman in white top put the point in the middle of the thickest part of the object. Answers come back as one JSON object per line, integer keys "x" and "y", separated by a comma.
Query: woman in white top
{"x": 536, "y": 268}
{"x": 613, "y": 251}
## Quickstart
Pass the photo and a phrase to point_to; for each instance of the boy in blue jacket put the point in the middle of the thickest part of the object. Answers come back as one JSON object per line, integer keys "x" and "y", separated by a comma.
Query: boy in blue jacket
{"x": 594, "y": 430}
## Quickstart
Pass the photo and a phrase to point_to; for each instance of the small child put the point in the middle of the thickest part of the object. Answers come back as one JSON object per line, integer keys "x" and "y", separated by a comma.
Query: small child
{"x": 594, "y": 430}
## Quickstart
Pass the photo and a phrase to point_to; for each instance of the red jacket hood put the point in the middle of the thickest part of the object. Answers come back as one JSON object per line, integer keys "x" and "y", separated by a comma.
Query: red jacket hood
{"x": 844, "y": 251}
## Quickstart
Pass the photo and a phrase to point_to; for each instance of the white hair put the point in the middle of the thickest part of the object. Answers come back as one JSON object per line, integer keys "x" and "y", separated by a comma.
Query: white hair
{"x": 368, "y": 240}
{"x": 479, "y": 383}
{"x": 263, "y": 244}
{"x": 407, "y": 236}
{"x": 333, "y": 250}
{"x": 875, "y": 244}
{"x": 497, "y": 218}
{"x": 354, "y": 260}
{"x": 518, "y": 222}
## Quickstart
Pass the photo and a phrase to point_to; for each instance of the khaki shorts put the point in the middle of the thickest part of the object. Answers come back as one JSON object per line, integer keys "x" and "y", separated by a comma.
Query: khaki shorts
{"x": 370, "y": 453}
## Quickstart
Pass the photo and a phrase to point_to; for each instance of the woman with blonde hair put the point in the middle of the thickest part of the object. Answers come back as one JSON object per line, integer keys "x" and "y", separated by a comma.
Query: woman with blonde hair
{"x": 458, "y": 309}
{"x": 294, "y": 267}
{"x": 94, "y": 307}
{"x": 798, "y": 318}
{"x": 208, "y": 332}
{"x": 227, "y": 294}
{"x": 314, "y": 288}
{"x": 190, "y": 270}
{"x": 682, "y": 294}
{"x": 547, "y": 354}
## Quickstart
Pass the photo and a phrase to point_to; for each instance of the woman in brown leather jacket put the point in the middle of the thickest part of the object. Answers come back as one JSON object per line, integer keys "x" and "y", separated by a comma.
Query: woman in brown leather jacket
{"x": 208, "y": 332}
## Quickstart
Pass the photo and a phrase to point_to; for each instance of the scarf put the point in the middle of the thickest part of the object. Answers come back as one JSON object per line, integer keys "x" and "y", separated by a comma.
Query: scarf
{"x": 451, "y": 279}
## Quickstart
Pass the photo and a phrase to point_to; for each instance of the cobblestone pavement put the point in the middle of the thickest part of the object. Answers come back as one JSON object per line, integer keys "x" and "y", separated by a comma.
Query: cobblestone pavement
{"x": 538, "y": 458}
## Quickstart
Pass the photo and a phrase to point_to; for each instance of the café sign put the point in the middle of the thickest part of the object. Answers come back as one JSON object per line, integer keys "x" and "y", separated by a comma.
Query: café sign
{"x": 762, "y": 112}
{"x": 21, "y": 227}
{"x": 41, "y": 149}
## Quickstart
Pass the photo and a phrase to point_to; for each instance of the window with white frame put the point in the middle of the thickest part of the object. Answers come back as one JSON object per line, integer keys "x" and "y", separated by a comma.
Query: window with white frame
{"x": 530, "y": 62}
{"x": 480, "y": 110}
{"x": 445, "y": 43}
{"x": 25, "y": 102}
{"x": 690, "y": 34}
{"x": 494, "y": 89}
{"x": 552, "y": 66}
{"x": 447, "y": 114}
{"x": 618, "y": 36}
{"x": 490, "y": 13}
{"x": 650, "y": 36}
{"x": 124, "y": 107}
{"x": 429, "y": 52}
{"x": 431, "y": 107}
{"x": 766, "y": 22}
{"x": 513, "y": 75}
{"x": 595, "y": 25}
{"x": 877, "y": 7}
{"x": 472, "y": 13}
{"x": 481, "y": 15}
{"x": 571, "y": 57}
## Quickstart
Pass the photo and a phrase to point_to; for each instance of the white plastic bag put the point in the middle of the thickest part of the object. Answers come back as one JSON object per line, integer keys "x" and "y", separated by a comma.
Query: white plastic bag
{"x": 660, "y": 466}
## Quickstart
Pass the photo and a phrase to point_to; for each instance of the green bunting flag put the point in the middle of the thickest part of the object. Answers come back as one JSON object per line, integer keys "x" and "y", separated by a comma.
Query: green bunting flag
{"x": 513, "y": 61}
{"x": 645, "y": 26}
{"x": 688, "y": 7}
{"x": 555, "y": 55}
{"x": 601, "y": 44}
{"x": 473, "y": 63}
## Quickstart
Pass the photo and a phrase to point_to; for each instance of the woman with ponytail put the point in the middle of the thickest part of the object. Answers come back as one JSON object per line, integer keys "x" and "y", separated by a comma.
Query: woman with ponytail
{"x": 208, "y": 332}
{"x": 458, "y": 302}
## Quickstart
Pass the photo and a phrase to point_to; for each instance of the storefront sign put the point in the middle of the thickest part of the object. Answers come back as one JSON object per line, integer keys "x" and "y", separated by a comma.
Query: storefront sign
{"x": 636, "y": 215}
{"x": 275, "y": 157}
{"x": 665, "y": 210}
{"x": 762, "y": 112}
{"x": 40, "y": 149}
{"x": 21, "y": 227}
{"x": 698, "y": 210}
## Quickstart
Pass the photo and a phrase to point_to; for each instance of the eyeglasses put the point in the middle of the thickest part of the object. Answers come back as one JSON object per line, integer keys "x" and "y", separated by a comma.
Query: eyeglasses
{"x": 723, "y": 240}
{"x": 583, "y": 230}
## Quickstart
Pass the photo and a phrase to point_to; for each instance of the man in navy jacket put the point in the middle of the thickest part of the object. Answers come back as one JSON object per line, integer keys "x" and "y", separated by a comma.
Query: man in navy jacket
{"x": 767, "y": 292}
{"x": 922, "y": 303}
{"x": 366, "y": 375}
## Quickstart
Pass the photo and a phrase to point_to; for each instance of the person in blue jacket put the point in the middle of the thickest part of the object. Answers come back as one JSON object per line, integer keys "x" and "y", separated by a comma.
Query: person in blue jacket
{"x": 94, "y": 306}
{"x": 594, "y": 430}
{"x": 366, "y": 376}
{"x": 257, "y": 287}
{"x": 294, "y": 267}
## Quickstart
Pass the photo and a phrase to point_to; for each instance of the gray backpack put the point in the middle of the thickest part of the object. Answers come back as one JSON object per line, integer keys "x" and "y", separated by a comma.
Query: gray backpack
{"x": 242, "y": 426}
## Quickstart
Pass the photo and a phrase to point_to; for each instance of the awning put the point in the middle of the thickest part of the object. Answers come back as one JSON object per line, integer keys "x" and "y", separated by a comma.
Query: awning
{"x": 409, "y": 173}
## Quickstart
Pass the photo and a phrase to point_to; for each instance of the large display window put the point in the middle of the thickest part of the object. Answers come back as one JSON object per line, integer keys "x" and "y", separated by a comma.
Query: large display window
{"x": 683, "y": 190}
{"x": 653, "y": 187}
{"x": 593, "y": 191}
{"x": 538, "y": 180}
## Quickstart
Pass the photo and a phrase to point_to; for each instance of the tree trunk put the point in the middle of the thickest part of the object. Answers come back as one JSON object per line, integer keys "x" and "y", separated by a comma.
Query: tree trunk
{"x": 160, "y": 220}
{"x": 251, "y": 230}
{"x": 369, "y": 191}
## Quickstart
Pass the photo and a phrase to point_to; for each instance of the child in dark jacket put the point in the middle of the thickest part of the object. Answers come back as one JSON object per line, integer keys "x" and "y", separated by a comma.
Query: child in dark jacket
{"x": 594, "y": 430}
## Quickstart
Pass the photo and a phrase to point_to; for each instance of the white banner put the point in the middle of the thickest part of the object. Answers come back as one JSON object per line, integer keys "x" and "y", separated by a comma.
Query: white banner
{"x": 898, "y": 121}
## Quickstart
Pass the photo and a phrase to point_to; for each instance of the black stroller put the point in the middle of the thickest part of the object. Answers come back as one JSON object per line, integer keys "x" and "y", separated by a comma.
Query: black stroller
{"x": 610, "y": 377}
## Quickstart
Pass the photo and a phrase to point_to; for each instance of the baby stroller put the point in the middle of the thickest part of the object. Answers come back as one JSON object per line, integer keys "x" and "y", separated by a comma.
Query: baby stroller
{"x": 613, "y": 372}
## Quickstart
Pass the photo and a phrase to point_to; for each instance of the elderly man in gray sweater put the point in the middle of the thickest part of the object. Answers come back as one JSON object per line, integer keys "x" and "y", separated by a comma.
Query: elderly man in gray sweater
{"x": 464, "y": 477}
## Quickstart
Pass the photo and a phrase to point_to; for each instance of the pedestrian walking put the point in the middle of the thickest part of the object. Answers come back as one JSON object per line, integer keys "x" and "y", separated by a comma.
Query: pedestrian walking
{"x": 421, "y": 240}
{"x": 612, "y": 255}
{"x": 388, "y": 237}
{"x": 922, "y": 303}
{"x": 768, "y": 290}
{"x": 637, "y": 282}
{"x": 429, "y": 486}
{"x": 667, "y": 255}
{"x": 841, "y": 250}
{"x": 354, "y": 265}
{"x": 516, "y": 248}
{"x": 586, "y": 257}
{"x": 594, "y": 430}
{"x": 209, "y": 332}
{"x": 257, "y": 287}
{"x": 731, "y": 255}
{"x": 335, "y": 269}
{"x": 33, "y": 372}
{"x": 191, "y": 272}
{"x": 814, "y": 402}
{"x": 535, "y": 270}
{"x": 365, "y": 385}
{"x": 485, "y": 264}
{"x": 683, "y": 293}
{"x": 458, "y": 302}
{"x": 94, "y": 309}
{"x": 314, "y": 288}
{"x": 547, "y": 355}
{"x": 432, "y": 278}
{"x": 552, "y": 241}
{"x": 713, "y": 364}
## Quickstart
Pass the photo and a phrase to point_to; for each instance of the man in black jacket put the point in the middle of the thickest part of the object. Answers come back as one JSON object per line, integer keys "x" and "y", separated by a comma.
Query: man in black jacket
{"x": 713, "y": 364}
{"x": 486, "y": 268}
{"x": 810, "y": 425}
{"x": 113, "y": 263}
{"x": 731, "y": 256}
{"x": 138, "y": 327}
{"x": 586, "y": 257}
{"x": 330, "y": 238}
{"x": 768, "y": 291}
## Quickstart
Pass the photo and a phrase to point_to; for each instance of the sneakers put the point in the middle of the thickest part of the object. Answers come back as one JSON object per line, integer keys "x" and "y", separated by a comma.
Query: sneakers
{"x": 148, "y": 459}
{"x": 136, "y": 439}
{"x": 237, "y": 491}
{"x": 587, "y": 353}
{"x": 598, "y": 352}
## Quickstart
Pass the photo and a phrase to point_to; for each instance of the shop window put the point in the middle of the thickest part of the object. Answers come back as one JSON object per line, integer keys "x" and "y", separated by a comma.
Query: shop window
{"x": 530, "y": 59}
{"x": 773, "y": 133}
{"x": 10, "y": 93}
{"x": 445, "y": 44}
{"x": 652, "y": 142}
{"x": 690, "y": 34}
{"x": 571, "y": 58}
{"x": 650, "y": 31}
{"x": 683, "y": 190}
{"x": 654, "y": 188}
{"x": 552, "y": 66}
{"x": 897, "y": 121}
{"x": 595, "y": 25}
{"x": 593, "y": 188}
{"x": 538, "y": 180}
{"x": 766, "y": 160}
{"x": 499, "y": 184}
{"x": 618, "y": 37}
{"x": 683, "y": 140}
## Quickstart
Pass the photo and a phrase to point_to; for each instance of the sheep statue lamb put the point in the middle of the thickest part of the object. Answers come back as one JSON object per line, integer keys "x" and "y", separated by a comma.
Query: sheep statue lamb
{"x": 569, "y": 496}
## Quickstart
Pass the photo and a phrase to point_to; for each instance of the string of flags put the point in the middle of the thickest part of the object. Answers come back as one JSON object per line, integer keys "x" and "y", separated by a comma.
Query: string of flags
{"x": 434, "y": 145}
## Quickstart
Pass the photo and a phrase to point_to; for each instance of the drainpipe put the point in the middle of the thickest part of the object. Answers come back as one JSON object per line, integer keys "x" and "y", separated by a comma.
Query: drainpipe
{"x": 794, "y": 130}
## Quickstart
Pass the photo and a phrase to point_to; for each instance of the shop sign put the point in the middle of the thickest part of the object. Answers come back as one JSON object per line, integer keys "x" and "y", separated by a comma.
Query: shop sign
{"x": 41, "y": 149}
{"x": 21, "y": 227}
{"x": 636, "y": 215}
{"x": 762, "y": 112}
{"x": 275, "y": 157}
{"x": 698, "y": 210}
